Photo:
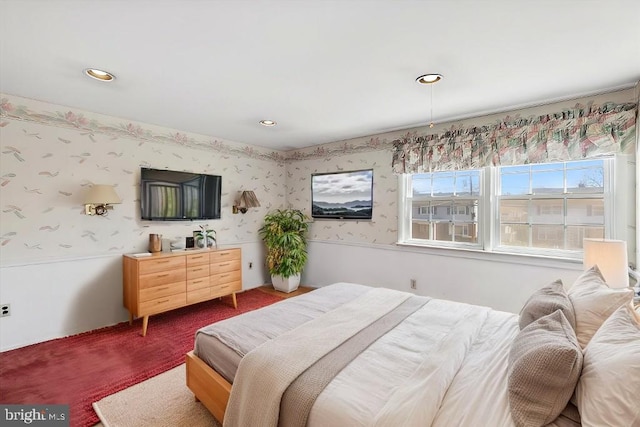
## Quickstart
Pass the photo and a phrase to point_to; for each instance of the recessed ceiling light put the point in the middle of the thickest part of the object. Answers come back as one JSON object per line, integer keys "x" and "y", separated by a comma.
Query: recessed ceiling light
{"x": 103, "y": 76}
{"x": 426, "y": 79}
{"x": 267, "y": 123}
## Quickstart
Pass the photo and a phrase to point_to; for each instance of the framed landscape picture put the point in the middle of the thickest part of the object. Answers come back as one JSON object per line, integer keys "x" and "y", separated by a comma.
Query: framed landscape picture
{"x": 342, "y": 195}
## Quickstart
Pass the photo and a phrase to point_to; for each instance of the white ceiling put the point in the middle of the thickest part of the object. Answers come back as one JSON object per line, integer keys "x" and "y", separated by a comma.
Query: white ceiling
{"x": 324, "y": 70}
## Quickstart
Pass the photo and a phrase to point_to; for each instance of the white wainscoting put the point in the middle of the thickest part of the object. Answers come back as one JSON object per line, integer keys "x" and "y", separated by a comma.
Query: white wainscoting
{"x": 499, "y": 281}
{"x": 53, "y": 299}
{"x": 57, "y": 298}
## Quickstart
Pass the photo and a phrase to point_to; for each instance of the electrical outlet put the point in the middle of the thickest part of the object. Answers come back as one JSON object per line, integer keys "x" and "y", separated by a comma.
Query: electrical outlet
{"x": 413, "y": 284}
{"x": 5, "y": 310}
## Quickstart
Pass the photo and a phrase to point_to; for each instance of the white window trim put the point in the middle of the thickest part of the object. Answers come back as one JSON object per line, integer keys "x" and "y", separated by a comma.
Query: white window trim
{"x": 404, "y": 219}
{"x": 488, "y": 217}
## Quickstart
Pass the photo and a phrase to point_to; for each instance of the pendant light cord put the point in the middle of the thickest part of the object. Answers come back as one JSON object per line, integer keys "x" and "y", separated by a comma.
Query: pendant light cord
{"x": 431, "y": 121}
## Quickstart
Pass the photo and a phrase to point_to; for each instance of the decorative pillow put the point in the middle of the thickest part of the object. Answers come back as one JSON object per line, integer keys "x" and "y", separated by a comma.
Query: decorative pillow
{"x": 545, "y": 301}
{"x": 593, "y": 302}
{"x": 607, "y": 393}
{"x": 570, "y": 417}
{"x": 544, "y": 366}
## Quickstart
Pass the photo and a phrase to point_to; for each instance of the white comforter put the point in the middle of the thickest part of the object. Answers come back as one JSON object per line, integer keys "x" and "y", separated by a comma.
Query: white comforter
{"x": 445, "y": 365}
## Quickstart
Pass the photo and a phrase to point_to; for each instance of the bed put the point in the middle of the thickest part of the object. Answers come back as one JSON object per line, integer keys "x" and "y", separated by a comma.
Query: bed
{"x": 349, "y": 354}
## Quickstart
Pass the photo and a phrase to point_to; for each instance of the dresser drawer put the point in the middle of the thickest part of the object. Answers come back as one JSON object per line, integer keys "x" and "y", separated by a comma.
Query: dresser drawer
{"x": 225, "y": 288}
{"x": 159, "y": 305}
{"x": 197, "y": 271}
{"x": 153, "y": 265}
{"x": 231, "y": 276}
{"x": 202, "y": 282}
{"x": 221, "y": 256}
{"x": 198, "y": 295}
{"x": 225, "y": 266}
{"x": 197, "y": 259}
{"x": 162, "y": 278}
{"x": 148, "y": 294}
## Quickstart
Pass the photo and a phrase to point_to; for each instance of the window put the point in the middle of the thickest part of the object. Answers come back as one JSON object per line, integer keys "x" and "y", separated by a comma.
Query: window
{"x": 425, "y": 210}
{"x": 537, "y": 209}
{"x": 444, "y": 206}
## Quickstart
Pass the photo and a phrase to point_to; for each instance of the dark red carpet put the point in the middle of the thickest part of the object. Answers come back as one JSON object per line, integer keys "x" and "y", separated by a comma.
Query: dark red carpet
{"x": 84, "y": 368}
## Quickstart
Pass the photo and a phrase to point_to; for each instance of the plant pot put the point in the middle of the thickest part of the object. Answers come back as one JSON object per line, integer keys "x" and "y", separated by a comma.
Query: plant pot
{"x": 286, "y": 284}
{"x": 210, "y": 243}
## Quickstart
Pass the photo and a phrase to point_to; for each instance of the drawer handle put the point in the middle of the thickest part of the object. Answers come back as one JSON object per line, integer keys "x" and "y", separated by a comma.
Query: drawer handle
{"x": 225, "y": 264}
{"x": 197, "y": 281}
{"x": 197, "y": 269}
{"x": 223, "y": 287}
{"x": 225, "y": 253}
{"x": 162, "y": 262}
{"x": 197, "y": 257}
{"x": 223, "y": 275}
{"x": 162, "y": 275}
{"x": 162, "y": 288}
{"x": 163, "y": 301}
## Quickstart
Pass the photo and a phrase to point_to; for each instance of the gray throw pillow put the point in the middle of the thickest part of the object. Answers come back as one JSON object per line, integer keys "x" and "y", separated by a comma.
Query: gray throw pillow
{"x": 545, "y": 362}
{"x": 545, "y": 301}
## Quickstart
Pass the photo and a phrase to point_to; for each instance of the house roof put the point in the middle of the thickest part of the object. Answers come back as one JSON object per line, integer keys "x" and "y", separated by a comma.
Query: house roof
{"x": 324, "y": 70}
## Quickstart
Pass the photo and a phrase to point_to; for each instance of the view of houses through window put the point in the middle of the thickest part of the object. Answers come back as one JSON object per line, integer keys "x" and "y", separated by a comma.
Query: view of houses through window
{"x": 551, "y": 205}
{"x": 535, "y": 207}
{"x": 445, "y": 206}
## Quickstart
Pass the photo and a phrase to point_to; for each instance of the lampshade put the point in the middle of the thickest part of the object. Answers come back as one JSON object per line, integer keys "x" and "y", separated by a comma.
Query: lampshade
{"x": 248, "y": 199}
{"x": 102, "y": 195}
{"x": 611, "y": 258}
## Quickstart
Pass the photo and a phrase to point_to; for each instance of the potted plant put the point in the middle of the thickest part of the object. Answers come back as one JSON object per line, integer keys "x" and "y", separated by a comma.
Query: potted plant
{"x": 205, "y": 238}
{"x": 284, "y": 234}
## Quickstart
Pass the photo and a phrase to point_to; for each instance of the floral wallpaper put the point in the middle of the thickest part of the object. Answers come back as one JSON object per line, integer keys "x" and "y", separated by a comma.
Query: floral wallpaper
{"x": 92, "y": 126}
{"x": 382, "y": 229}
{"x": 50, "y": 156}
{"x": 329, "y": 151}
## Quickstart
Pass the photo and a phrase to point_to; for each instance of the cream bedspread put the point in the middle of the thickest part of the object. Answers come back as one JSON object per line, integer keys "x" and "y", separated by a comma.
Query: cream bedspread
{"x": 265, "y": 373}
{"x": 444, "y": 365}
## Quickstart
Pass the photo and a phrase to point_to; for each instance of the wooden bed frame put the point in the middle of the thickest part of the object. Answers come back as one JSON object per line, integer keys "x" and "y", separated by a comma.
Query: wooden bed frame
{"x": 208, "y": 386}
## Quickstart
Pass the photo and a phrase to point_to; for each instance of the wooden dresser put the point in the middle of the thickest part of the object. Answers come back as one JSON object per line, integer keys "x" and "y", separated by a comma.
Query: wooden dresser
{"x": 164, "y": 281}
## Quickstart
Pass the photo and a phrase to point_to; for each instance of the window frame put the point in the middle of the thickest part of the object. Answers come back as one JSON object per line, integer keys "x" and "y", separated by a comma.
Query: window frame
{"x": 404, "y": 216}
{"x": 489, "y": 215}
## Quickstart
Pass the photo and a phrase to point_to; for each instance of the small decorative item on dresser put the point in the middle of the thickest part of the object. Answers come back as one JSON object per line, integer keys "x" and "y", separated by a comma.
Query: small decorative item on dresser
{"x": 155, "y": 243}
{"x": 177, "y": 244}
{"x": 205, "y": 238}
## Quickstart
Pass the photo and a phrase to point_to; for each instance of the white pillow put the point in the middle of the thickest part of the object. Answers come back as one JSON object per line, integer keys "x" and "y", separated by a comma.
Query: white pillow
{"x": 607, "y": 392}
{"x": 593, "y": 302}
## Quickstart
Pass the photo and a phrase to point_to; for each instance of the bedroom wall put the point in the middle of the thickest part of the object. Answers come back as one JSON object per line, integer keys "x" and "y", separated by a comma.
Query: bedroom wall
{"x": 366, "y": 251}
{"x": 61, "y": 270}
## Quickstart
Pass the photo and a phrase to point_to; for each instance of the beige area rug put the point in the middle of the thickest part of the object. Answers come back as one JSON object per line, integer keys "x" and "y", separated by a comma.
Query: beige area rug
{"x": 164, "y": 400}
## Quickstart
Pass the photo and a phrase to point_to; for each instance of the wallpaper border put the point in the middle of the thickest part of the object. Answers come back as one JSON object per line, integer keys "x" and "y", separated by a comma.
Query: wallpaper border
{"x": 67, "y": 118}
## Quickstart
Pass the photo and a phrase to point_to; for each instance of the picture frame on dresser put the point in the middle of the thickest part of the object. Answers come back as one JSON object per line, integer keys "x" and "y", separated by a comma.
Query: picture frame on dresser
{"x": 165, "y": 281}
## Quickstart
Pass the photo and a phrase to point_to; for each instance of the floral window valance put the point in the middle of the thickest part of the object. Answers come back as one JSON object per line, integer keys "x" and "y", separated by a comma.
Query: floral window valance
{"x": 573, "y": 134}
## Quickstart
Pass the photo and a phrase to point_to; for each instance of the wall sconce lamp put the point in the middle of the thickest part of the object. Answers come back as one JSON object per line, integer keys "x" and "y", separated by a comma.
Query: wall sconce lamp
{"x": 611, "y": 258}
{"x": 247, "y": 200}
{"x": 99, "y": 199}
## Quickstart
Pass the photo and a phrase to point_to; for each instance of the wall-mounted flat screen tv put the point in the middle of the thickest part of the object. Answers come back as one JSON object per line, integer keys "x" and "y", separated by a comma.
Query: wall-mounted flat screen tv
{"x": 167, "y": 195}
{"x": 342, "y": 195}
